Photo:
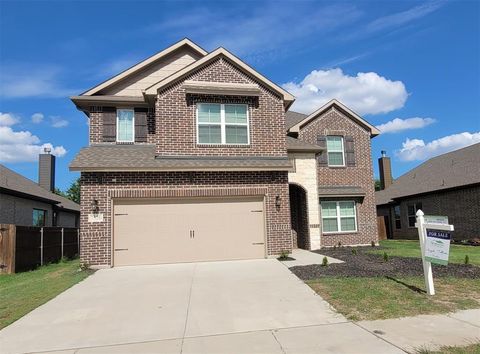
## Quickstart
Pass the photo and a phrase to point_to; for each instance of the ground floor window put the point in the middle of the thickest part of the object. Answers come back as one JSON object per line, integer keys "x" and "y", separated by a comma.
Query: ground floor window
{"x": 398, "y": 220}
{"x": 39, "y": 217}
{"x": 412, "y": 211}
{"x": 339, "y": 216}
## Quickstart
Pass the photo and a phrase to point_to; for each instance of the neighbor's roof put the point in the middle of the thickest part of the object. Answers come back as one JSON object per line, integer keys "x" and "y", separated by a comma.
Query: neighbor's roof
{"x": 183, "y": 43}
{"x": 14, "y": 182}
{"x": 341, "y": 191}
{"x": 296, "y": 145}
{"x": 221, "y": 52}
{"x": 337, "y": 105}
{"x": 143, "y": 158}
{"x": 454, "y": 169}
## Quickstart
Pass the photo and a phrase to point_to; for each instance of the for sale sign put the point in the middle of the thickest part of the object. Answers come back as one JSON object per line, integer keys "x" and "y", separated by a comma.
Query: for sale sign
{"x": 437, "y": 246}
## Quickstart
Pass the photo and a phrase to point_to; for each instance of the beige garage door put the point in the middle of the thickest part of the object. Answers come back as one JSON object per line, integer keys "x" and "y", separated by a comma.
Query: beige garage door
{"x": 168, "y": 231}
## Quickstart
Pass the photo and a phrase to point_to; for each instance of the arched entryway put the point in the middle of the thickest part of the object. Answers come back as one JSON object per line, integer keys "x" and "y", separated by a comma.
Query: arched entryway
{"x": 299, "y": 216}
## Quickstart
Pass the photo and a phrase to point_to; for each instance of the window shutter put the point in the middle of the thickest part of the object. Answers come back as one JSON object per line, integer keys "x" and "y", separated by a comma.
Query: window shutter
{"x": 109, "y": 124}
{"x": 323, "y": 156}
{"x": 349, "y": 151}
{"x": 141, "y": 127}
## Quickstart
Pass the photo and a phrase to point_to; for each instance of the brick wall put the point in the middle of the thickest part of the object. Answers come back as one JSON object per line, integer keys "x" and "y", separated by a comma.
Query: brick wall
{"x": 334, "y": 122}
{"x": 176, "y": 119}
{"x": 462, "y": 206}
{"x": 96, "y": 237}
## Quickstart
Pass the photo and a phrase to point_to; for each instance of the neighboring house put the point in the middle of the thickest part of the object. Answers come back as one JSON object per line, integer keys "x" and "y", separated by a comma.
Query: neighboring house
{"x": 447, "y": 185}
{"x": 188, "y": 160}
{"x": 26, "y": 203}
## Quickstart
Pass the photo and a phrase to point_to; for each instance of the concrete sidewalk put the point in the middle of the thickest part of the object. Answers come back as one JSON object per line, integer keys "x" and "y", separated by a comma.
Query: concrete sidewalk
{"x": 428, "y": 331}
{"x": 304, "y": 257}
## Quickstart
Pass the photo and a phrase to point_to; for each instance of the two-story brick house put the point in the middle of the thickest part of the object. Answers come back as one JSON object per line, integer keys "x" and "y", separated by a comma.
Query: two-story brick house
{"x": 188, "y": 160}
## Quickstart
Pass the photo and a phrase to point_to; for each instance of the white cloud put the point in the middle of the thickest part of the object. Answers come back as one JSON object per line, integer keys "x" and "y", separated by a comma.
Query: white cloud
{"x": 58, "y": 122}
{"x": 417, "y": 149}
{"x": 27, "y": 81}
{"x": 37, "y": 118}
{"x": 7, "y": 119}
{"x": 365, "y": 93}
{"x": 23, "y": 146}
{"x": 397, "y": 125}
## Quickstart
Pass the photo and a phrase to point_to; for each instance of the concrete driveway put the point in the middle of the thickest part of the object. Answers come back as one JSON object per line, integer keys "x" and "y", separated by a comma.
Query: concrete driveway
{"x": 255, "y": 306}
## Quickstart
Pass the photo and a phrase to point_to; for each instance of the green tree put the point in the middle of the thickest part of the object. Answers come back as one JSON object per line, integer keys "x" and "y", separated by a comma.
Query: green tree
{"x": 72, "y": 193}
{"x": 378, "y": 185}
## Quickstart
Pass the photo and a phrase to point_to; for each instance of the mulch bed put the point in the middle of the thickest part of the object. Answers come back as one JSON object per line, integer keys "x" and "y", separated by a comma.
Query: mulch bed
{"x": 364, "y": 264}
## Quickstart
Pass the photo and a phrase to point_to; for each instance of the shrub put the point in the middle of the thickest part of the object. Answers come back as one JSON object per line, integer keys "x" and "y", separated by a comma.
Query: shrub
{"x": 373, "y": 243}
{"x": 339, "y": 244}
{"x": 325, "y": 262}
{"x": 467, "y": 259}
{"x": 385, "y": 256}
{"x": 284, "y": 254}
{"x": 354, "y": 251}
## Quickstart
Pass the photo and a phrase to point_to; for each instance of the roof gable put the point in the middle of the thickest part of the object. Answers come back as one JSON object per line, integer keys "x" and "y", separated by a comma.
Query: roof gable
{"x": 128, "y": 73}
{"x": 221, "y": 52}
{"x": 341, "y": 107}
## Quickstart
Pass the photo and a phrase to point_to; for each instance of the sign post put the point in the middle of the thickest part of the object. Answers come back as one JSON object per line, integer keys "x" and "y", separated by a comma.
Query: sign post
{"x": 434, "y": 235}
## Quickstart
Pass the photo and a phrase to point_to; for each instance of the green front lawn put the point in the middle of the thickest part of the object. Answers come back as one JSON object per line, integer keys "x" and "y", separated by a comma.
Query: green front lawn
{"x": 22, "y": 292}
{"x": 469, "y": 349}
{"x": 406, "y": 248}
{"x": 381, "y": 298}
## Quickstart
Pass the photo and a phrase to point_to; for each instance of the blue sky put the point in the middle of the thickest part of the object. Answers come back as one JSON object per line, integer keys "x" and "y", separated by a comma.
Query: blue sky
{"x": 412, "y": 68}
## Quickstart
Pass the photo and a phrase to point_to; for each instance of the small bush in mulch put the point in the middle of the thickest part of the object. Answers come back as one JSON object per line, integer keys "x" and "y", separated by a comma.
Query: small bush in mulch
{"x": 364, "y": 264}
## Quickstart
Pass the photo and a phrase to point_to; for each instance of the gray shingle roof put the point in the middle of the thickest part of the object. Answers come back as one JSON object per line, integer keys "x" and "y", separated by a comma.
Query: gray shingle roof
{"x": 292, "y": 118}
{"x": 15, "y": 182}
{"x": 454, "y": 169}
{"x": 341, "y": 191}
{"x": 300, "y": 145}
{"x": 142, "y": 157}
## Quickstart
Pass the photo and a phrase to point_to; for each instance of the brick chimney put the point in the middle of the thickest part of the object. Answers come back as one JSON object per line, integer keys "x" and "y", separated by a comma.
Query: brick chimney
{"x": 385, "y": 169}
{"x": 46, "y": 170}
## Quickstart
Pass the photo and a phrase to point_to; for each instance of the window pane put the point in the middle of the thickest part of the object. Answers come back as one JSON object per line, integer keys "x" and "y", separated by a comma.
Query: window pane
{"x": 398, "y": 224}
{"x": 411, "y": 210}
{"x": 209, "y": 113}
{"x": 347, "y": 208}
{"x": 334, "y": 143}
{"x": 236, "y": 113}
{"x": 411, "y": 221}
{"x": 125, "y": 125}
{"x": 39, "y": 217}
{"x": 348, "y": 224}
{"x": 335, "y": 158}
{"x": 330, "y": 225}
{"x": 396, "y": 210}
{"x": 329, "y": 209}
{"x": 209, "y": 134}
{"x": 236, "y": 135}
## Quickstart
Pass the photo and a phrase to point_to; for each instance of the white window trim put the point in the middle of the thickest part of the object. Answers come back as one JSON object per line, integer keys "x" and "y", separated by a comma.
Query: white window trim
{"x": 133, "y": 126}
{"x": 342, "y": 139}
{"x": 223, "y": 124}
{"x": 339, "y": 218}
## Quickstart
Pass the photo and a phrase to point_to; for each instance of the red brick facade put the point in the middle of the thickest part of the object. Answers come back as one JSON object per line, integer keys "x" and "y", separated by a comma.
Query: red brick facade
{"x": 96, "y": 238}
{"x": 334, "y": 122}
{"x": 462, "y": 206}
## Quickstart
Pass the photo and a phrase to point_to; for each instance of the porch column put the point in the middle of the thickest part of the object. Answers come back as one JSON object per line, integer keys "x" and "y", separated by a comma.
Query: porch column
{"x": 305, "y": 175}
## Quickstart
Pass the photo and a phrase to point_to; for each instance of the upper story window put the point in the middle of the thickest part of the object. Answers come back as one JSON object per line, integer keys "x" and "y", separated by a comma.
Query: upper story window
{"x": 125, "y": 125}
{"x": 335, "y": 151}
{"x": 222, "y": 124}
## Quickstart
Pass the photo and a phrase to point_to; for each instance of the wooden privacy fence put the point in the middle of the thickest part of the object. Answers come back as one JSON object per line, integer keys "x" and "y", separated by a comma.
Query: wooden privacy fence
{"x": 27, "y": 247}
